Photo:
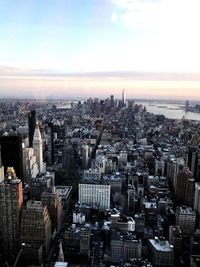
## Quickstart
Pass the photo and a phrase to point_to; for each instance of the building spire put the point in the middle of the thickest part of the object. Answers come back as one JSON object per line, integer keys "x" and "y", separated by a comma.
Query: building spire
{"x": 61, "y": 255}
{"x": 37, "y": 147}
{"x": 37, "y": 134}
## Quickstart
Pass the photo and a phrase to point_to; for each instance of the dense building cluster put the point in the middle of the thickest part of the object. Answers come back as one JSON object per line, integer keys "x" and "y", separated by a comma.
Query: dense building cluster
{"x": 97, "y": 183}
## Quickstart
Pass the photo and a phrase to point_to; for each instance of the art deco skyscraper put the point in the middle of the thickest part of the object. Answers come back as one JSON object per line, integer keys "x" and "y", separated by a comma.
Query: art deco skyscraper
{"x": 37, "y": 146}
{"x": 11, "y": 200}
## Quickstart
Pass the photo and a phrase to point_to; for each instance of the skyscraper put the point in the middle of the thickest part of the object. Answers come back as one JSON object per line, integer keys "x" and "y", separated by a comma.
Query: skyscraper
{"x": 185, "y": 218}
{"x": 31, "y": 126}
{"x": 112, "y": 101}
{"x": 184, "y": 189}
{"x": 68, "y": 155}
{"x": 37, "y": 146}
{"x": 197, "y": 201}
{"x": 11, "y": 154}
{"x": 36, "y": 225}
{"x": 193, "y": 161}
{"x": 50, "y": 144}
{"x": 11, "y": 200}
{"x": 197, "y": 198}
{"x": 1, "y": 169}
{"x": 123, "y": 97}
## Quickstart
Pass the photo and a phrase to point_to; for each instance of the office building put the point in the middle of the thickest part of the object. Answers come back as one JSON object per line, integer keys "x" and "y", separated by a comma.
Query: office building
{"x": 30, "y": 166}
{"x": 32, "y": 255}
{"x": 11, "y": 201}
{"x": 77, "y": 242}
{"x": 65, "y": 193}
{"x": 37, "y": 147}
{"x": 1, "y": 170}
{"x": 31, "y": 126}
{"x": 54, "y": 204}
{"x": 112, "y": 101}
{"x": 95, "y": 194}
{"x": 131, "y": 200}
{"x": 125, "y": 247}
{"x": 176, "y": 239}
{"x": 123, "y": 98}
{"x": 185, "y": 218}
{"x": 184, "y": 190}
{"x": 68, "y": 155}
{"x": 85, "y": 156}
{"x": 43, "y": 182}
{"x": 36, "y": 225}
{"x": 50, "y": 144}
{"x": 161, "y": 252}
{"x": 195, "y": 253}
{"x": 193, "y": 158}
{"x": 92, "y": 174}
{"x": 11, "y": 154}
{"x": 197, "y": 203}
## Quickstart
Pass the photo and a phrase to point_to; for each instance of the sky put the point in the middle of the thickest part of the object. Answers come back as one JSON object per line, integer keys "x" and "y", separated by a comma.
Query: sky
{"x": 81, "y": 48}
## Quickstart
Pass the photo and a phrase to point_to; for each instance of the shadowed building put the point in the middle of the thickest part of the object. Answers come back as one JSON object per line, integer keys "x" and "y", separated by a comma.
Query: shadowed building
{"x": 11, "y": 154}
{"x": 50, "y": 144}
{"x": 31, "y": 126}
{"x": 184, "y": 189}
{"x": 36, "y": 225}
{"x": 11, "y": 201}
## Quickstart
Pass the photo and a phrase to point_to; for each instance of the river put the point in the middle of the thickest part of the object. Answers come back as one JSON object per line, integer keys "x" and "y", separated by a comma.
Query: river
{"x": 169, "y": 110}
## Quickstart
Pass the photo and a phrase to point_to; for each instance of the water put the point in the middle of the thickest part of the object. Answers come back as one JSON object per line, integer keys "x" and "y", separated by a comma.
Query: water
{"x": 169, "y": 110}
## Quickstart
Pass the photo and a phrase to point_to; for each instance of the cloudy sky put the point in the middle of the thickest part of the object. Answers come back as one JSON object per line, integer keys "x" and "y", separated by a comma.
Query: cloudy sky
{"x": 55, "y": 48}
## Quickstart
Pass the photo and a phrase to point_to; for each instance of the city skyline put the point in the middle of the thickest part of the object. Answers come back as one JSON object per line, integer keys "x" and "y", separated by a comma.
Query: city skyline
{"x": 147, "y": 47}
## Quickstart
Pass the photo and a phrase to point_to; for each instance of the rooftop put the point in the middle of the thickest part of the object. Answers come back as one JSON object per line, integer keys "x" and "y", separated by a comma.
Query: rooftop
{"x": 161, "y": 245}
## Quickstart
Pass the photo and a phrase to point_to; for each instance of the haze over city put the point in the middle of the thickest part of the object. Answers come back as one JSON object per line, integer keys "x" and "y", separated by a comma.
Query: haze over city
{"x": 89, "y": 48}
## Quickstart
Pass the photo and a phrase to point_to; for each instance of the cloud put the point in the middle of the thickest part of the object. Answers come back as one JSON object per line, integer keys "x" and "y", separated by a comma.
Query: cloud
{"x": 9, "y": 72}
{"x": 168, "y": 32}
{"x": 42, "y": 84}
{"x": 160, "y": 14}
{"x": 114, "y": 17}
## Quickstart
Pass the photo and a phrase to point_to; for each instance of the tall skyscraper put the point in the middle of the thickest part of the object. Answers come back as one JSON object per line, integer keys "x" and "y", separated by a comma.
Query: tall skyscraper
{"x": 31, "y": 126}
{"x": 123, "y": 97}
{"x": 197, "y": 202}
{"x": 50, "y": 144}
{"x": 11, "y": 200}
{"x": 184, "y": 189}
{"x": 68, "y": 155}
{"x": 112, "y": 101}
{"x": 193, "y": 161}
{"x": 11, "y": 154}
{"x": 37, "y": 146}
{"x": 197, "y": 198}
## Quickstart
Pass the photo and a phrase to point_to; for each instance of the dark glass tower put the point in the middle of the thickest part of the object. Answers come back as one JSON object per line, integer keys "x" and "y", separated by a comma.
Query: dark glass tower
{"x": 11, "y": 154}
{"x": 31, "y": 126}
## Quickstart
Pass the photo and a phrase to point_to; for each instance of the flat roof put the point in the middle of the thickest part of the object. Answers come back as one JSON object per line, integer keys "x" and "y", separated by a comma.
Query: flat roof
{"x": 63, "y": 190}
{"x": 61, "y": 264}
{"x": 163, "y": 246}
